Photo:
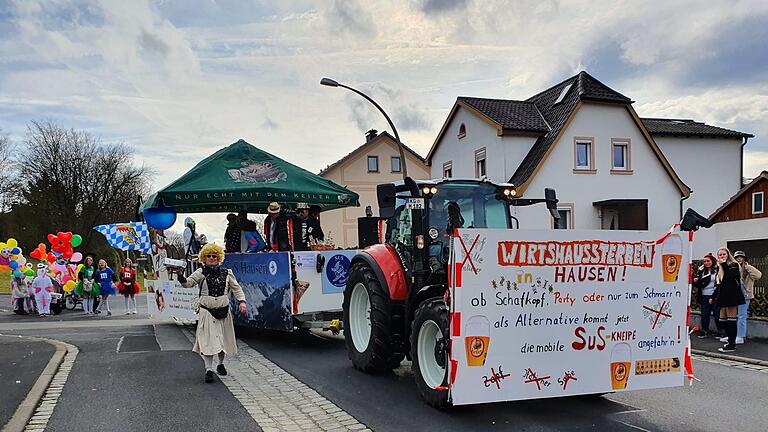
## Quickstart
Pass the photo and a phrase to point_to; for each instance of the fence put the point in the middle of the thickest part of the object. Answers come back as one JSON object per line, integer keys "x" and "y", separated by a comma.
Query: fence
{"x": 759, "y": 305}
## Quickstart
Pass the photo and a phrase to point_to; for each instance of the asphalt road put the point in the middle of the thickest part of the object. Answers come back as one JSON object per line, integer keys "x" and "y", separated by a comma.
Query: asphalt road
{"x": 22, "y": 363}
{"x": 123, "y": 381}
{"x": 726, "y": 399}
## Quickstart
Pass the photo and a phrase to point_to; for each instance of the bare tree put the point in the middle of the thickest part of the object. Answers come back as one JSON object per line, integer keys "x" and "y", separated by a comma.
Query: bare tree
{"x": 174, "y": 238}
{"x": 9, "y": 181}
{"x": 73, "y": 182}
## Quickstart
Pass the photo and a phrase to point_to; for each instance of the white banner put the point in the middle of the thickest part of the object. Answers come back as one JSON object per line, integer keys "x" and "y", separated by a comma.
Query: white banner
{"x": 168, "y": 299}
{"x": 539, "y": 314}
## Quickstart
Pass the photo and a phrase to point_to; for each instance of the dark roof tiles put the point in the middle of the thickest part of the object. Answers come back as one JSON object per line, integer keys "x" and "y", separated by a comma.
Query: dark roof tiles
{"x": 510, "y": 114}
{"x": 687, "y": 127}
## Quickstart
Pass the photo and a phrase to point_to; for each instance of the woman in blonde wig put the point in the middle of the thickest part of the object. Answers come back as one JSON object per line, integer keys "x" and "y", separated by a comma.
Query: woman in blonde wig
{"x": 215, "y": 330}
{"x": 728, "y": 295}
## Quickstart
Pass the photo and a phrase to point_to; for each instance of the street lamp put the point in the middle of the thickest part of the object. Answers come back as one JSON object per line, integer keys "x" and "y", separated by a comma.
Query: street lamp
{"x": 333, "y": 83}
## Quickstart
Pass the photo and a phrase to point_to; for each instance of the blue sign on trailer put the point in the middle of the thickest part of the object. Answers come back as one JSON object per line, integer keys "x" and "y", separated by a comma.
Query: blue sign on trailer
{"x": 266, "y": 281}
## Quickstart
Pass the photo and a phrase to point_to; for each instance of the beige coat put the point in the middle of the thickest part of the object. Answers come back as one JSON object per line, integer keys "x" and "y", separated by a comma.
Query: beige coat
{"x": 214, "y": 336}
{"x": 749, "y": 276}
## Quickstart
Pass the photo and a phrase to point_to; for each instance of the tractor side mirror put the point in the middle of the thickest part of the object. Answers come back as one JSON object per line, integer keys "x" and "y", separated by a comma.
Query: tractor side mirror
{"x": 551, "y": 199}
{"x": 385, "y": 194}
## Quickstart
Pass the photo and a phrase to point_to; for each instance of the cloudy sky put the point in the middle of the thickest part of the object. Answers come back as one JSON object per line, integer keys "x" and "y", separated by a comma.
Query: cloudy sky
{"x": 179, "y": 79}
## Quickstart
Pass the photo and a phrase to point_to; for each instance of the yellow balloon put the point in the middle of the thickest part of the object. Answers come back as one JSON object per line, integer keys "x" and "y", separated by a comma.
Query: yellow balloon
{"x": 12, "y": 243}
{"x": 69, "y": 286}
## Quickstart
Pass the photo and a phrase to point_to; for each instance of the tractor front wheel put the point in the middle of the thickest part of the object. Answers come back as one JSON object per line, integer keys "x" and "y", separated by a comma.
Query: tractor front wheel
{"x": 368, "y": 322}
{"x": 429, "y": 351}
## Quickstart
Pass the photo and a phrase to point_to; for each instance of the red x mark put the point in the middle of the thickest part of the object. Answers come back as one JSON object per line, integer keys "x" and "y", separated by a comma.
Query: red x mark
{"x": 467, "y": 256}
{"x": 567, "y": 378}
{"x": 658, "y": 313}
{"x": 496, "y": 378}
{"x": 535, "y": 379}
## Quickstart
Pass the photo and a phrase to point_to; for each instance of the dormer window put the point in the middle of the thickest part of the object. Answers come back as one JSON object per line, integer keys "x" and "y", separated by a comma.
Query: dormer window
{"x": 563, "y": 93}
{"x": 462, "y": 131}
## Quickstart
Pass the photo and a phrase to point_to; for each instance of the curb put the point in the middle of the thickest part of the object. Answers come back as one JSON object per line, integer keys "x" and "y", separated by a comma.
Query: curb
{"x": 730, "y": 357}
{"x": 29, "y": 405}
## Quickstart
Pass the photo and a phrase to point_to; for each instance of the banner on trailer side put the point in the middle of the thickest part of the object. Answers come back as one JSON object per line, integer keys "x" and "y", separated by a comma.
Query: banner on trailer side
{"x": 580, "y": 312}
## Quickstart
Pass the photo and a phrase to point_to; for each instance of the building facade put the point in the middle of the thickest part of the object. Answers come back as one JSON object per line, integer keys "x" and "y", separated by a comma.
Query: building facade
{"x": 610, "y": 168}
{"x": 376, "y": 161}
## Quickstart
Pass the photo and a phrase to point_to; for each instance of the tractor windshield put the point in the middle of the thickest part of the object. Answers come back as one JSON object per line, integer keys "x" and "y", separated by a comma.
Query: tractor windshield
{"x": 469, "y": 205}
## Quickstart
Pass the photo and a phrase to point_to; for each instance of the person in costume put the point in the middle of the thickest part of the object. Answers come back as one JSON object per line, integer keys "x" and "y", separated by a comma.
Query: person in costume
{"x": 19, "y": 293}
{"x": 87, "y": 289}
{"x": 278, "y": 229}
{"x": 128, "y": 286}
{"x": 192, "y": 244}
{"x": 42, "y": 285}
{"x": 105, "y": 277}
{"x": 215, "y": 333}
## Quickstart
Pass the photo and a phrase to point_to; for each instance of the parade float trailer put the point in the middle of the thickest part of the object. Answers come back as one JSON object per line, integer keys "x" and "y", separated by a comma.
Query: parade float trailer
{"x": 488, "y": 313}
{"x": 284, "y": 290}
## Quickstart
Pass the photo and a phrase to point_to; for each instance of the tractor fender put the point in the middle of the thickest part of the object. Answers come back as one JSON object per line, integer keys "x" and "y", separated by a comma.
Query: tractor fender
{"x": 387, "y": 267}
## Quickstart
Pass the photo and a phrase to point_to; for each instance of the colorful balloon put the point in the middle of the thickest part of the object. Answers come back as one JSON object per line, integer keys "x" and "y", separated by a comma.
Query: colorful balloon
{"x": 17, "y": 274}
{"x": 76, "y": 240}
{"x": 69, "y": 286}
{"x": 76, "y": 257}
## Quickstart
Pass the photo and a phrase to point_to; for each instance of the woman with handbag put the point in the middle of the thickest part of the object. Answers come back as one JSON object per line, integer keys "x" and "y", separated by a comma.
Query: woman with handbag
{"x": 728, "y": 295}
{"x": 215, "y": 333}
{"x": 87, "y": 289}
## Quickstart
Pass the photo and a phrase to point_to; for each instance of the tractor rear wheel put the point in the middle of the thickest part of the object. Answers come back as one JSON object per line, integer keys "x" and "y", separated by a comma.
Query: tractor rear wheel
{"x": 368, "y": 322}
{"x": 429, "y": 351}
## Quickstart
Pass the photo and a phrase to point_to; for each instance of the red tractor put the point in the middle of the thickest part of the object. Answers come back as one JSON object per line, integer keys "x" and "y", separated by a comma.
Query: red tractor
{"x": 396, "y": 297}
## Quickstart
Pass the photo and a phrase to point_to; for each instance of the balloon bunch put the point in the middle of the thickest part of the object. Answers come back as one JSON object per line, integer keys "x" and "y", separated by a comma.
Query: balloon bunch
{"x": 63, "y": 256}
{"x": 11, "y": 259}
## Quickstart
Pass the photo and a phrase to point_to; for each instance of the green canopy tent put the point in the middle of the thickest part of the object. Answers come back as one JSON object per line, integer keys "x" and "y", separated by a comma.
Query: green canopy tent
{"x": 243, "y": 177}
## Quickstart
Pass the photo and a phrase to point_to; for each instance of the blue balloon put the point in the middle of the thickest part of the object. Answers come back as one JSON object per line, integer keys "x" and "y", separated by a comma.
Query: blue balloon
{"x": 15, "y": 251}
{"x": 160, "y": 218}
{"x": 13, "y": 265}
{"x": 16, "y": 274}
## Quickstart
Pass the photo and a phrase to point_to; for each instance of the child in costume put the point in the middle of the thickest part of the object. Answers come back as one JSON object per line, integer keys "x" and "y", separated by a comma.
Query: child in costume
{"x": 128, "y": 286}
{"x": 42, "y": 285}
{"x": 104, "y": 276}
{"x": 19, "y": 293}
{"x": 87, "y": 289}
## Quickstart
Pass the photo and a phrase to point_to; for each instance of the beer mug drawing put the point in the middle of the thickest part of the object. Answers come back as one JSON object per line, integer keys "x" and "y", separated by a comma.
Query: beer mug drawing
{"x": 621, "y": 362}
{"x": 671, "y": 258}
{"x": 476, "y": 339}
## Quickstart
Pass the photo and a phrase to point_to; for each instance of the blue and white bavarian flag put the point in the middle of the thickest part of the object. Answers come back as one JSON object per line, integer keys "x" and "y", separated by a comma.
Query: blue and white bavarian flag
{"x": 127, "y": 236}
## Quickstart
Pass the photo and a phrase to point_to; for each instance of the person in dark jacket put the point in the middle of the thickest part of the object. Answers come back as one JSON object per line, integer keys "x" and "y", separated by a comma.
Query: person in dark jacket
{"x": 278, "y": 229}
{"x": 728, "y": 295}
{"x": 232, "y": 235}
{"x": 704, "y": 281}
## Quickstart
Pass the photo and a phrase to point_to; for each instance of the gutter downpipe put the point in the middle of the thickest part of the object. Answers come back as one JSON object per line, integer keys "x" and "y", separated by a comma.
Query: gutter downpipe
{"x": 741, "y": 164}
{"x": 681, "y": 202}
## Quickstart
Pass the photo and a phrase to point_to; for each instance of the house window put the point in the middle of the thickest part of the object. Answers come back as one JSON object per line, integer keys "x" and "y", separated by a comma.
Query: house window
{"x": 584, "y": 155}
{"x": 462, "y": 131}
{"x": 566, "y": 217}
{"x": 480, "y": 163}
{"x": 395, "y": 162}
{"x": 758, "y": 203}
{"x": 563, "y": 93}
{"x": 448, "y": 169}
{"x": 373, "y": 164}
{"x": 620, "y": 156}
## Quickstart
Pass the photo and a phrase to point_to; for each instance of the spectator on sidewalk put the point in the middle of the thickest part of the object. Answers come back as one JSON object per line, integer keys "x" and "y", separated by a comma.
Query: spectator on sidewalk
{"x": 19, "y": 293}
{"x": 704, "y": 281}
{"x": 105, "y": 277}
{"x": 128, "y": 286}
{"x": 749, "y": 275}
{"x": 215, "y": 333}
{"x": 728, "y": 296}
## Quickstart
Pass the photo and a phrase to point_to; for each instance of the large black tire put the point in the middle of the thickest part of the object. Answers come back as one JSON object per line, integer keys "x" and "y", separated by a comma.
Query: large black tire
{"x": 431, "y": 311}
{"x": 57, "y": 307}
{"x": 378, "y": 356}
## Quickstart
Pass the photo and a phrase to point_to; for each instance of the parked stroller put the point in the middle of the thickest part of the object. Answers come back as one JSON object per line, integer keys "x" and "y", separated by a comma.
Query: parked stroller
{"x": 57, "y": 298}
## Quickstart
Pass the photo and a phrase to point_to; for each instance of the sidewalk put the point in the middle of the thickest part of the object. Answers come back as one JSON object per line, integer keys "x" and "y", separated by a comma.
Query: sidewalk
{"x": 753, "y": 349}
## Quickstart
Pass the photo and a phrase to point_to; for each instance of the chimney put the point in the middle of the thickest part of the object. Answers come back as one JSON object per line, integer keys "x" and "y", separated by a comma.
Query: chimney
{"x": 370, "y": 135}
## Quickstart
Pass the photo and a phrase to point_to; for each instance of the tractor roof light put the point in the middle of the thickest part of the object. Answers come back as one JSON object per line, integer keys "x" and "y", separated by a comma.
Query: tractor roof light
{"x": 509, "y": 193}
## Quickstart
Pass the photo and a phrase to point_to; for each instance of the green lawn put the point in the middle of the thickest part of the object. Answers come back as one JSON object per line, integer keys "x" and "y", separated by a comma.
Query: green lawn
{"x": 5, "y": 283}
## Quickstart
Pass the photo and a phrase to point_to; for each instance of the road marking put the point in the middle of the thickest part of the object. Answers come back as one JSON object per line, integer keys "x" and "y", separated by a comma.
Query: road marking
{"x": 119, "y": 344}
{"x": 633, "y": 426}
{"x": 275, "y": 399}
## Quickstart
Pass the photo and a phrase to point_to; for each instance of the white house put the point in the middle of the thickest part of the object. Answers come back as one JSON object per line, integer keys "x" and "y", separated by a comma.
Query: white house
{"x": 585, "y": 140}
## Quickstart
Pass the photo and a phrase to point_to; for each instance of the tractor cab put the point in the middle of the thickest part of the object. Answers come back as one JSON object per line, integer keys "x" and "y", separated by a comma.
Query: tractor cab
{"x": 392, "y": 286}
